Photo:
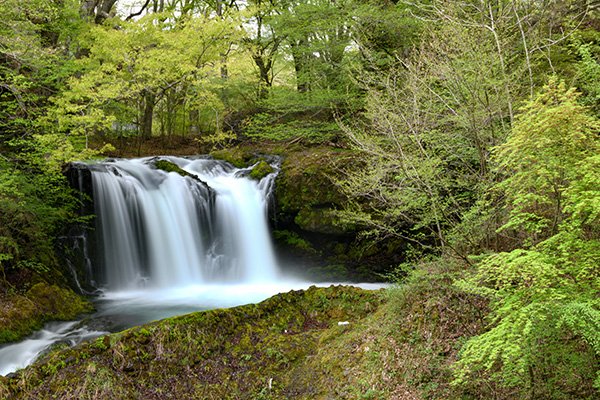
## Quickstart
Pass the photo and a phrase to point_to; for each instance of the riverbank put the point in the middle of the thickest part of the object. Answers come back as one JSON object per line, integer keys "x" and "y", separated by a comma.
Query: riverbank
{"x": 336, "y": 342}
{"x": 22, "y": 313}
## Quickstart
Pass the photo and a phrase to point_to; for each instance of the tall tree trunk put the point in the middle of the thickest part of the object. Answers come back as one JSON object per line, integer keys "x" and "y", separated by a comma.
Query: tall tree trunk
{"x": 147, "y": 117}
{"x": 100, "y": 10}
{"x": 194, "y": 129}
{"x": 300, "y": 67}
{"x": 264, "y": 70}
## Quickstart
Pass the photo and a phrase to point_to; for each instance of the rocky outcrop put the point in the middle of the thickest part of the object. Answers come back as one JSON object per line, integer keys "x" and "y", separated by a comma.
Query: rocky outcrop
{"x": 308, "y": 231}
{"x": 21, "y": 314}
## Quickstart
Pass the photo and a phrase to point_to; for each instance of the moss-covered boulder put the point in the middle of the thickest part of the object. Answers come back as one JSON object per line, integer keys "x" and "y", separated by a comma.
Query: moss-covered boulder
{"x": 238, "y": 156}
{"x": 260, "y": 170}
{"x": 264, "y": 350}
{"x": 168, "y": 166}
{"x": 321, "y": 220}
{"x": 307, "y": 178}
{"x": 21, "y": 314}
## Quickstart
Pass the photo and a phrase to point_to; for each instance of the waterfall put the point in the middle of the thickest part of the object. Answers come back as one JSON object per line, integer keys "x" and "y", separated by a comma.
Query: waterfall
{"x": 167, "y": 245}
{"x": 160, "y": 229}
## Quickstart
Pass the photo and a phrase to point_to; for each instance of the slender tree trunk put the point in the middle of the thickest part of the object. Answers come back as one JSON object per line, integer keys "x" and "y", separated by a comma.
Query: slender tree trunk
{"x": 264, "y": 70}
{"x": 299, "y": 67}
{"x": 100, "y": 10}
{"x": 148, "y": 114}
{"x": 194, "y": 129}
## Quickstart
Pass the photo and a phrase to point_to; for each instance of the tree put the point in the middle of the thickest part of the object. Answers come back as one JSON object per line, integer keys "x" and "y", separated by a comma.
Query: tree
{"x": 35, "y": 39}
{"x": 97, "y": 10}
{"x": 264, "y": 42}
{"x": 133, "y": 69}
{"x": 544, "y": 338}
{"x": 317, "y": 34}
{"x": 434, "y": 117}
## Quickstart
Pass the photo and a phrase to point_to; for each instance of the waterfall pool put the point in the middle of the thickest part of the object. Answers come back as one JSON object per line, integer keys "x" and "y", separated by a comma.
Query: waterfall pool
{"x": 169, "y": 243}
{"x": 117, "y": 311}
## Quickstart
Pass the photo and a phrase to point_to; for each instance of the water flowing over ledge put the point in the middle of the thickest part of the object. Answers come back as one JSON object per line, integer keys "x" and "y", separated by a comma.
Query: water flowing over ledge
{"x": 162, "y": 230}
{"x": 169, "y": 243}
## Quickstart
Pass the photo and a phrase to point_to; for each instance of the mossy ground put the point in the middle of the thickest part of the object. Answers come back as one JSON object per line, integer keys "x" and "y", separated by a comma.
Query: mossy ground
{"x": 250, "y": 352}
{"x": 399, "y": 344}
{"x": 21, "y": 314}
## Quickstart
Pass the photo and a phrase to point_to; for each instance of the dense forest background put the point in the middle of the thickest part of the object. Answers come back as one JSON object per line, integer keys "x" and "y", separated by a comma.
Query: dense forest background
{"x": 474, "y": 128}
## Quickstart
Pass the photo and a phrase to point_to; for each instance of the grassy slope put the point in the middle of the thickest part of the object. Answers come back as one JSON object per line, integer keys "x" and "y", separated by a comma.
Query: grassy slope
{"x": 398, "y": 344}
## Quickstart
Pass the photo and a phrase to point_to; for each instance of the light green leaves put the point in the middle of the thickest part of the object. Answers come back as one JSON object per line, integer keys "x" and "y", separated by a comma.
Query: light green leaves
{"x": 545, "y": 316}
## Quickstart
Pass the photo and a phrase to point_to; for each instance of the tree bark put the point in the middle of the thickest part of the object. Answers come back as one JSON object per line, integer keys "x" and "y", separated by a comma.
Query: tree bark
{"x": 299, "y": 66}
{"x": 99, "y": 10}
{"x": 147, "y": 117}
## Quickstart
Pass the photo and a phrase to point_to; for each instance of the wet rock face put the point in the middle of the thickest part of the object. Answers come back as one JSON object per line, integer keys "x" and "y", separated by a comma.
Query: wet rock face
{"x": 308, "y": 231}
{"x": 75, "y": 247}
{"x": 308, "y": 234}
{"x": 79, "y": 177}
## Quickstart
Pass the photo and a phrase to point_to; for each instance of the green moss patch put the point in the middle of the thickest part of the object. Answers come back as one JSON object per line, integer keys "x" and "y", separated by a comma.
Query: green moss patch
{"x": 239, "y": 157}
{"x": 261, "y": 170}
{"x": 169, "y": 166}
{"x": 305, "y": 180}
{"x": 20, "y": 314}
{"x": 250, "y": 352}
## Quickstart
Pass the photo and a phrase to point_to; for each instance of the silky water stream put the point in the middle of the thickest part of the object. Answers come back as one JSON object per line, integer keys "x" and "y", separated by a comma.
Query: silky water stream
{"x": 167, "y": 245}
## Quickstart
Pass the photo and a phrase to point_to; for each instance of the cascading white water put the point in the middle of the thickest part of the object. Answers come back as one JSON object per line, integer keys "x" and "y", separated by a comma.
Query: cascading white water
{"x": 160, "y": 229}
{"x": 169, "y": 245}
{"x": 13, "y": 357}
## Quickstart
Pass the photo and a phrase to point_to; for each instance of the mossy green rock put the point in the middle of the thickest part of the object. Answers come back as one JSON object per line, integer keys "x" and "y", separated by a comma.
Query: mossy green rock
{"x": 319, "y": 220}
{"x": 20, "y": 315}
{"x": 305, "y": 180}
{"x": 239, "y": 157}
{"x": 264, "y": 350}
{"x": 169, "y": 166}
{"x": 260, "y": 170}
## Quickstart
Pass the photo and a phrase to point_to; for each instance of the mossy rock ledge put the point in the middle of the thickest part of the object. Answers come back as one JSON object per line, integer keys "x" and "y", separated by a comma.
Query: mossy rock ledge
{"x": 22, "y": 314}
{"x": 260, "y": 170}
{"x": 277, "y": 349}
{"x": 310, "y": 236}
{"x": 168, "y": 166}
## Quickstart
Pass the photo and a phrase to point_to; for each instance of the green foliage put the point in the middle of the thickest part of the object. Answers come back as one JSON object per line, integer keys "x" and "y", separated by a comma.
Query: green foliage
{"x": 153, "y": 62}
{"x": 431, "y": 123}
{"x": 34, "y": 59}
{"x": 293, "y": 240}
{"x": 586, "y": 45}
{"x": 550, "y": 142}
{"x": 36, "y": 202}
{"x": 545, "y": 331}
{"x": 385, "y": 31}
{"x": 287, "y": 115}
{"x": 32, "y": 210}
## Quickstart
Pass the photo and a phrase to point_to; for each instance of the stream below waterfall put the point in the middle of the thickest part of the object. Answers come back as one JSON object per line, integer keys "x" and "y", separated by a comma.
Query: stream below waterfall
{"x": 168, "y": 244}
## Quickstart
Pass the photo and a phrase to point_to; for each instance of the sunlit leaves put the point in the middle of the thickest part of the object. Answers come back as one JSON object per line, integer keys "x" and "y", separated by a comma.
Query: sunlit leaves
{"x": 152, "y": 56}
{"x": 548, "y": 147}
{"x": 545, "y": 330}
